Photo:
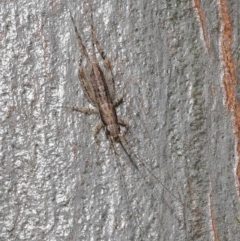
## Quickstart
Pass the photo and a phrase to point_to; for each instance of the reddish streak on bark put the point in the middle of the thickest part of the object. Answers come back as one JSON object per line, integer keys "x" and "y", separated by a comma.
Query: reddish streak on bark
{"x": 214, "y": 228}
{"x": 229, "y": 76}
{"x": 201, "y": 18}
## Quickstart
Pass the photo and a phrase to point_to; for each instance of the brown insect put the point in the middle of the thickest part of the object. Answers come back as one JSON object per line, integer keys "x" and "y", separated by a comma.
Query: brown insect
{"x": 99, "y": 88}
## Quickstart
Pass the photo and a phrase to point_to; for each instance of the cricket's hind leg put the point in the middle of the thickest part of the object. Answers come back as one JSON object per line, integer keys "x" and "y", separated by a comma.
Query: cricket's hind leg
{"x": 107, "y": 64}
{"x": 88, "y": 91}
{"x": 86, "y": 83}
{"x": 80, "y": 42}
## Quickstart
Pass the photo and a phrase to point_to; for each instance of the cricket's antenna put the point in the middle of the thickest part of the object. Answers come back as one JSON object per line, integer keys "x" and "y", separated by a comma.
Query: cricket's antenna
{"x": 125, "y": 187}
{"x": 146, "y": 167}
{"x": 129, "y": 156}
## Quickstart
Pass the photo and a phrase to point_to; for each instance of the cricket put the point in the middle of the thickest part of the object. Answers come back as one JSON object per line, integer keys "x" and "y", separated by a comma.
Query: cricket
{"x": 99, "y": 88}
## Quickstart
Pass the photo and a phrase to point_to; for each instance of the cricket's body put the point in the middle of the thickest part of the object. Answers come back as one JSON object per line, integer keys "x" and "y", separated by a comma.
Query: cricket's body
{"x": 105, "y": 104}
{"x": 98, "y": 86}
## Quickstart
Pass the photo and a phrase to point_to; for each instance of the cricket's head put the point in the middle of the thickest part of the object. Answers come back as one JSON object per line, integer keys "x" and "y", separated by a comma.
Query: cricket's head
{"x": 113, "y": 132}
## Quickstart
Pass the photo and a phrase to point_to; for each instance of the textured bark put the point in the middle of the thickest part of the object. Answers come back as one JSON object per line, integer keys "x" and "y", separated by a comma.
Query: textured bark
{"x": 177, "y": 63}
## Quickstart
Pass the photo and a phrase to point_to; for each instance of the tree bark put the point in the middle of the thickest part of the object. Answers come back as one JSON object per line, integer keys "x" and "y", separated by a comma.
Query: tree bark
{"x": 176, "y": 62}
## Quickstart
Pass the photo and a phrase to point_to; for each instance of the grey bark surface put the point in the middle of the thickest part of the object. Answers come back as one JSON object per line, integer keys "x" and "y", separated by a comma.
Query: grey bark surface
{"x": 55, "y": 184}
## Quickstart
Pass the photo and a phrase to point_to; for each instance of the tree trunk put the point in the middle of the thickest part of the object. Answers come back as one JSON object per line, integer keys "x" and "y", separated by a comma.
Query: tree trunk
{"x": 176, "y": 62}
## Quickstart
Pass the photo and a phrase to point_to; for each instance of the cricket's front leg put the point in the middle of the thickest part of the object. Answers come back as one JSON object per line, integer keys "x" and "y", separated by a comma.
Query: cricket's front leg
{"x": 119, "y": 100}
{"x": 84, "y": 110}
{"x": 96, "y": 131}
